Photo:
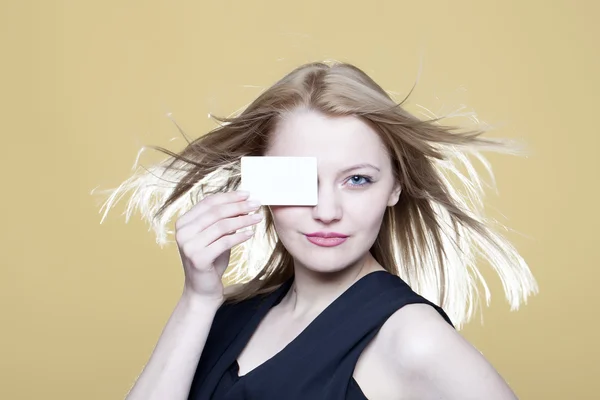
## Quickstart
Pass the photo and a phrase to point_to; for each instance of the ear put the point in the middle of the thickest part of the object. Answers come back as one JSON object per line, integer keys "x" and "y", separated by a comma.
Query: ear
{"x": 394, "y": 196}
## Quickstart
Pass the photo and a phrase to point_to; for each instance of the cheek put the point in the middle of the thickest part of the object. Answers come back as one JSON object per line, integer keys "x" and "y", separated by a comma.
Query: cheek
{"x": 285, "y": 217}
{"x": 368, "y": 220}
{"x": 366, "y": 213}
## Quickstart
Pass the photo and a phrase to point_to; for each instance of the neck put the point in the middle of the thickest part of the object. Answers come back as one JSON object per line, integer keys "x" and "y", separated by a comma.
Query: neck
{"x": 312, "y": 292}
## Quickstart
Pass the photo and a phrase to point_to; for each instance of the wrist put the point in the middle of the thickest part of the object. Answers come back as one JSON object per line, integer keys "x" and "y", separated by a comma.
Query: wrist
{"x": 195, "y": 302}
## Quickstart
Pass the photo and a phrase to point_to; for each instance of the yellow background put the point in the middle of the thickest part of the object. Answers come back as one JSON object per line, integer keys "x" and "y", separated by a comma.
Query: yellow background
{"x": 85, "y": 83}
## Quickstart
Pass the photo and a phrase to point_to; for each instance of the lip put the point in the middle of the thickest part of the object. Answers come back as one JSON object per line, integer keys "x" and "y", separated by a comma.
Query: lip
{"x": 327, "y": 235}
{"x": 326, "y": 239}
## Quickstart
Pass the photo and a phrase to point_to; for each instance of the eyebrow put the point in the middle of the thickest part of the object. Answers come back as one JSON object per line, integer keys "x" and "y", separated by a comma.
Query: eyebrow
{"x": 357, "y": 166}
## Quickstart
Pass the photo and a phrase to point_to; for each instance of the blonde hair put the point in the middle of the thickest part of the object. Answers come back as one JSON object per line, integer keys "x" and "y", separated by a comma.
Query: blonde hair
{"x": 432, "y": 238}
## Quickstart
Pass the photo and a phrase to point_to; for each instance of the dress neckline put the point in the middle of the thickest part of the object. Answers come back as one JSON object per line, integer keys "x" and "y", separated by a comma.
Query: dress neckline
{"x": 312, "y": 327}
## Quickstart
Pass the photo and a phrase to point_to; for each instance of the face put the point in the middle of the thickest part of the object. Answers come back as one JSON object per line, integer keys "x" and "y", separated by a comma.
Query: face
{"x": 355, "y": 184}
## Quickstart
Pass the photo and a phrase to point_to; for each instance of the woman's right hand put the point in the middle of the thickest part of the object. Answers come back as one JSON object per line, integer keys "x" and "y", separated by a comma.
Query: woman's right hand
{"x": 205, "y": 236}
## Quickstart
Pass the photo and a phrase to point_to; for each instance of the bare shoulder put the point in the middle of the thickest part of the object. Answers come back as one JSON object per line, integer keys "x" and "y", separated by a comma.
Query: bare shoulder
{"x": 434, "y": 360}
{"x": 418, "y": 328}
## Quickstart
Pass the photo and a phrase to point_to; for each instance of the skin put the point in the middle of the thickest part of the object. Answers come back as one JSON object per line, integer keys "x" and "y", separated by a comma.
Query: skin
{"x": 416, "y": 353}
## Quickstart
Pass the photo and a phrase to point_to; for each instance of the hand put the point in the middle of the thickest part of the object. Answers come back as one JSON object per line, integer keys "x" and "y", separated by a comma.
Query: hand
{"x": 205, "y": 236}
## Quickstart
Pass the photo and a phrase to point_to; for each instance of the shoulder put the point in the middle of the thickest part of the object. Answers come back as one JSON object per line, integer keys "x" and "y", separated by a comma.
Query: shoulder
{"x": 416, "y": 335}
{"x": 417, "y": 332}
{"x": 427, "y": 353}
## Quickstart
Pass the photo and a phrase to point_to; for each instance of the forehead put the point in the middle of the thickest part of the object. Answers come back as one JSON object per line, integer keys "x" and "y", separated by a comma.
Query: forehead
{"x": 333, "y": 140}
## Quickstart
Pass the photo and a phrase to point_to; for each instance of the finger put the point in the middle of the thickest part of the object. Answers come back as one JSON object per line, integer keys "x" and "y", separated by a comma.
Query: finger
{"x": 209, "y": 202}
{"x": 229, "y": 226}
{"x": 192, "y": 240}
{"x": 225, "y": 243}
{"x": 213, "y": 216}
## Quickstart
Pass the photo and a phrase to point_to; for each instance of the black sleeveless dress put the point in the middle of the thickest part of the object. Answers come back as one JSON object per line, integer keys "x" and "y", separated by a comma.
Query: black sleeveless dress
{"x": 318, "y": 364}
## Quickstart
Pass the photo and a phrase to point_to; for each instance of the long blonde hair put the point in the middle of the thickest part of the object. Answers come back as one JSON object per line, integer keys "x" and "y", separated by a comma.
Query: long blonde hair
{"x": 432, "y": 238}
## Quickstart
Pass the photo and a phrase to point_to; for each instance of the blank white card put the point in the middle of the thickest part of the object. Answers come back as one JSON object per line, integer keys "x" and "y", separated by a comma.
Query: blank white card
{"x": 283, "y": 181}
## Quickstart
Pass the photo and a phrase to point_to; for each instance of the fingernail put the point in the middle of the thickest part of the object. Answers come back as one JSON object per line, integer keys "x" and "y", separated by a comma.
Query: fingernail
{"x": 257, "y": 217}
{"x": 243, "y": 193}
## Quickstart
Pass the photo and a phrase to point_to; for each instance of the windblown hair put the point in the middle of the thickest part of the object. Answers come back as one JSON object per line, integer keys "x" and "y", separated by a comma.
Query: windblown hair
{"x": 432, "y": 238}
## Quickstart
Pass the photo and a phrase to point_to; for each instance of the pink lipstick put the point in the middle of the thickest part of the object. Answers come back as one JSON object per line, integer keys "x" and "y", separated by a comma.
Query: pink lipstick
{"x": 326, "y": 239}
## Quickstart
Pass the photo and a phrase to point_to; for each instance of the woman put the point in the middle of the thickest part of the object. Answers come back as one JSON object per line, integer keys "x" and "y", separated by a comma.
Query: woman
{"x": 355, "y": 297}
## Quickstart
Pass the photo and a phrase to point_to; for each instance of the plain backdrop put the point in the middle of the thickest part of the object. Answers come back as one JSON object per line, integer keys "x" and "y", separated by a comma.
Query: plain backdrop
{"x": 84, "y": 84}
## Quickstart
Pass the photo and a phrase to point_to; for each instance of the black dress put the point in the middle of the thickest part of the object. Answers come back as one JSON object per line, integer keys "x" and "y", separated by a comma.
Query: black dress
{"x": 318, "y": 363}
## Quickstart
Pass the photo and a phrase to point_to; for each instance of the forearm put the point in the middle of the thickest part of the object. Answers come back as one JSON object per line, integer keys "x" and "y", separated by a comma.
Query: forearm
{"x": 172, "y": 365}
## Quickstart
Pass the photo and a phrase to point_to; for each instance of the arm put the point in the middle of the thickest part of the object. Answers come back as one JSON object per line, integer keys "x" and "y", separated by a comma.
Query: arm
{"x": 172, "y": 365}
{"x": 205, "y": 236}
{"x": 438, "y": 363}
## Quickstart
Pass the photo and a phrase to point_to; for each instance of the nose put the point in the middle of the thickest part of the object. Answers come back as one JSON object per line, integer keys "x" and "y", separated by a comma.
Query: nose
{"x": 328, "y": 208}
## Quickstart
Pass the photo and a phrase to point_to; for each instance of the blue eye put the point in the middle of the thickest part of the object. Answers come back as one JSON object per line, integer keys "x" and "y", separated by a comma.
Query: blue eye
{"x": 359, "y": 180}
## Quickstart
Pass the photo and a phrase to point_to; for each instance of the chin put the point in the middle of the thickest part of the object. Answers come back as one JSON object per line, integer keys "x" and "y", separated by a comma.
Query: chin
{"x": 324, "y": 269}
{"x": 321, "y": 262}
{"x": 321, "y": 259}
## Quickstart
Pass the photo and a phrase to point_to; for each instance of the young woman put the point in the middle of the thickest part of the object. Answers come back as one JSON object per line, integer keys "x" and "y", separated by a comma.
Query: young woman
{"x": 353, "y": 298}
